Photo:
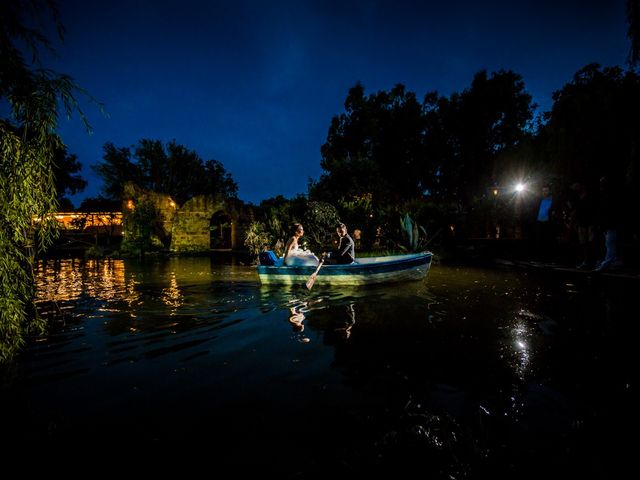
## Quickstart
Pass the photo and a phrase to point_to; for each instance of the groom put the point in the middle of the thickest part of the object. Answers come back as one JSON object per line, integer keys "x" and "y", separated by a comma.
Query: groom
{"x": 346, "y": 249}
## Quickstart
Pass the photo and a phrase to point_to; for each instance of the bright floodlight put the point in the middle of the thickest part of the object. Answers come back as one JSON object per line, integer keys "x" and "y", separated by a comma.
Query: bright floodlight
{"x": 520, "y": 187}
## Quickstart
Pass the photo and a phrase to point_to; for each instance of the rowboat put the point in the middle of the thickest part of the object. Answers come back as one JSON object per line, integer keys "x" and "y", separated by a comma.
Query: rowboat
{"x": 364, "y": 271}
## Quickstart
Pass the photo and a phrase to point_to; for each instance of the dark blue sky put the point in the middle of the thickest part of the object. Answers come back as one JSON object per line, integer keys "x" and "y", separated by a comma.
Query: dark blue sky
{"x": 255, "y": 84}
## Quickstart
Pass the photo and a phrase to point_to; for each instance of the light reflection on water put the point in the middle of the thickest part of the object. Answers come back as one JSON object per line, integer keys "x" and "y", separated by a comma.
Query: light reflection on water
{"x": 67, "y": 280}
{"x": 469, "y": 357}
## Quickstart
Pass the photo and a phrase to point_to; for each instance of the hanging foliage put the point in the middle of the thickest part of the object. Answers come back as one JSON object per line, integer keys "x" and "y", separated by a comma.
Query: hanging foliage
{"x": 28, "y": 142}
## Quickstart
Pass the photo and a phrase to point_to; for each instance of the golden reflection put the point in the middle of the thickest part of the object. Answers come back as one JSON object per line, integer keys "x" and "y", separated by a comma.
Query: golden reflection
{"x": 68, "y": 280}
{"x": 296, "y": 319}
{"x": 172, "y": 296}
{"x": 132, "y": 294}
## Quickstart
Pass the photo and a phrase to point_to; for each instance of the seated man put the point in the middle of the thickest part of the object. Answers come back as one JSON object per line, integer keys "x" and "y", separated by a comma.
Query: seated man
{"x": 345, "y": 253}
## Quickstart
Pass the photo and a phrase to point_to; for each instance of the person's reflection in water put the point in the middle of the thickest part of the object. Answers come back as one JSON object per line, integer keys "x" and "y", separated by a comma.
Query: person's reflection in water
{"x": 350, "y": 322}
{"x": 296, "y": 319}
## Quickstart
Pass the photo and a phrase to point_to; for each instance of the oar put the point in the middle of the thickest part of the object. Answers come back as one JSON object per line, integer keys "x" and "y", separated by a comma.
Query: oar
{"x": 314, "y": 275}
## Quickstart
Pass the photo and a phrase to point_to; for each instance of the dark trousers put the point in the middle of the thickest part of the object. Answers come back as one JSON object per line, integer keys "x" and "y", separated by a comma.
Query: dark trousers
{"x": 334, "y": 258}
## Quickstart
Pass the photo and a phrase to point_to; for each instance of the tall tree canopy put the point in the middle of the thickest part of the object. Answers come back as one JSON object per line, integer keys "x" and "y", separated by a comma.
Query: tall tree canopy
{"x": 593, "y": 128}
{"x": 28, "y": 143}
{"x": 391, "y": 148}
{"x": 66, "y": 172}
{"x": 172, "y": 169}
{"x": 375, "y": 147}
{"x": 467, "y": 133}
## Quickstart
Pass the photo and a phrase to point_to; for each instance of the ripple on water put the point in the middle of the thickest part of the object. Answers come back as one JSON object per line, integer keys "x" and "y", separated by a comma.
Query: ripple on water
{"x": 474, "y": 352}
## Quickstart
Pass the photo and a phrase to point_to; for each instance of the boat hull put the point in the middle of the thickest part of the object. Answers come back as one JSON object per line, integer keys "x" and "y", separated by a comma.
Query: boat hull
{"x": 366, "y": 271}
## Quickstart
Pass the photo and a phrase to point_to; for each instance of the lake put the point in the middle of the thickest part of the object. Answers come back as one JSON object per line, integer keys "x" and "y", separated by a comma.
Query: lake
{"x": 475, "y": 372}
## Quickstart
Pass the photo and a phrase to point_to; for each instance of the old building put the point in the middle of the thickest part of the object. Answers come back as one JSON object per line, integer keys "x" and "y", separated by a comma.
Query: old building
{"x": 201, "y": 224}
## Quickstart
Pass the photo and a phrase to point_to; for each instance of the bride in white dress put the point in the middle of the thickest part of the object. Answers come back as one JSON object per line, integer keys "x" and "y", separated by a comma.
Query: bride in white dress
{"x": 294, "y": 255}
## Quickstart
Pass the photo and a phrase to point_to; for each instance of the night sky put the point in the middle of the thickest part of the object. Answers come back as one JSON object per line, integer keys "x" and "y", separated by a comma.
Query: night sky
{"x": 255, "y": 84}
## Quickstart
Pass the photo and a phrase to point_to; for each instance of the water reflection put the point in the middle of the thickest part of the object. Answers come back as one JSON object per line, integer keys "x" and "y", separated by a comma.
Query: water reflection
{"x": 171, "y": 295}
{"x": 343, "y": 318}
{"x": 191, "y": 346}
{"x": 521, "y": 335}
{"x": 351, "y": 313}
{"x": 68, "y": 280}
{"x": 296, "y": 318}
{"x": 129, "y": 288}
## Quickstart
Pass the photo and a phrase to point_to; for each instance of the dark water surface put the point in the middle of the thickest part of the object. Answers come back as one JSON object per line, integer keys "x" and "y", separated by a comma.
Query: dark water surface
{"x": 473, "y": 373}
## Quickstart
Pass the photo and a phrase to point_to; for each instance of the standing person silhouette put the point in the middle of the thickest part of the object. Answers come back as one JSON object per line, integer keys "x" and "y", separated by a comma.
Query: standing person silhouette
{"x": 609, "y": 219}
{"x": 584, "y": 209}
{"x": 545, "y": 231}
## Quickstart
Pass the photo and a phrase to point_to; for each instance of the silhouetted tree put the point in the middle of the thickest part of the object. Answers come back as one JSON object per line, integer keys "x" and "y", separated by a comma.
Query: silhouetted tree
{"x": 389, "y": 149}
{"x": 593, "y": 130}
{"x": 174, "y": 170}
{"x": 469, "y": 132}
{"x": 117, "y": 169}
{"x": 66, "y": 171}
{"x": 100, "y": 204}
{"x": 374, "y": 148}
{"x": 594, "y": 126}
{"x": 217, "y": 180}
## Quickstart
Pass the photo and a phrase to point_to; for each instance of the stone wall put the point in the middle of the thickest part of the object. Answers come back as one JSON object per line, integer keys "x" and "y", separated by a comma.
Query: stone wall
{"x": 191, "y": 231}
{"x": 185, "y": 228}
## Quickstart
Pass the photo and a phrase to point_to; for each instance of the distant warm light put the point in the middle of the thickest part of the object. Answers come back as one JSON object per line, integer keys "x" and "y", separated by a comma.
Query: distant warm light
{"x": 172, "y": 204}
{"x": 85, "y": 220}
{"x": 130, "y": 204}
{"x": 452, "y": 227}
{"x": 520, "y": 187}
{"x": 495, "y": 191}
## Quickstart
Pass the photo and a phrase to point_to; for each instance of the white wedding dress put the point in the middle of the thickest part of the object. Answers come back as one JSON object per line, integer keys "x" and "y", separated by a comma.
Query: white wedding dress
{"x": 301, "y": 258}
